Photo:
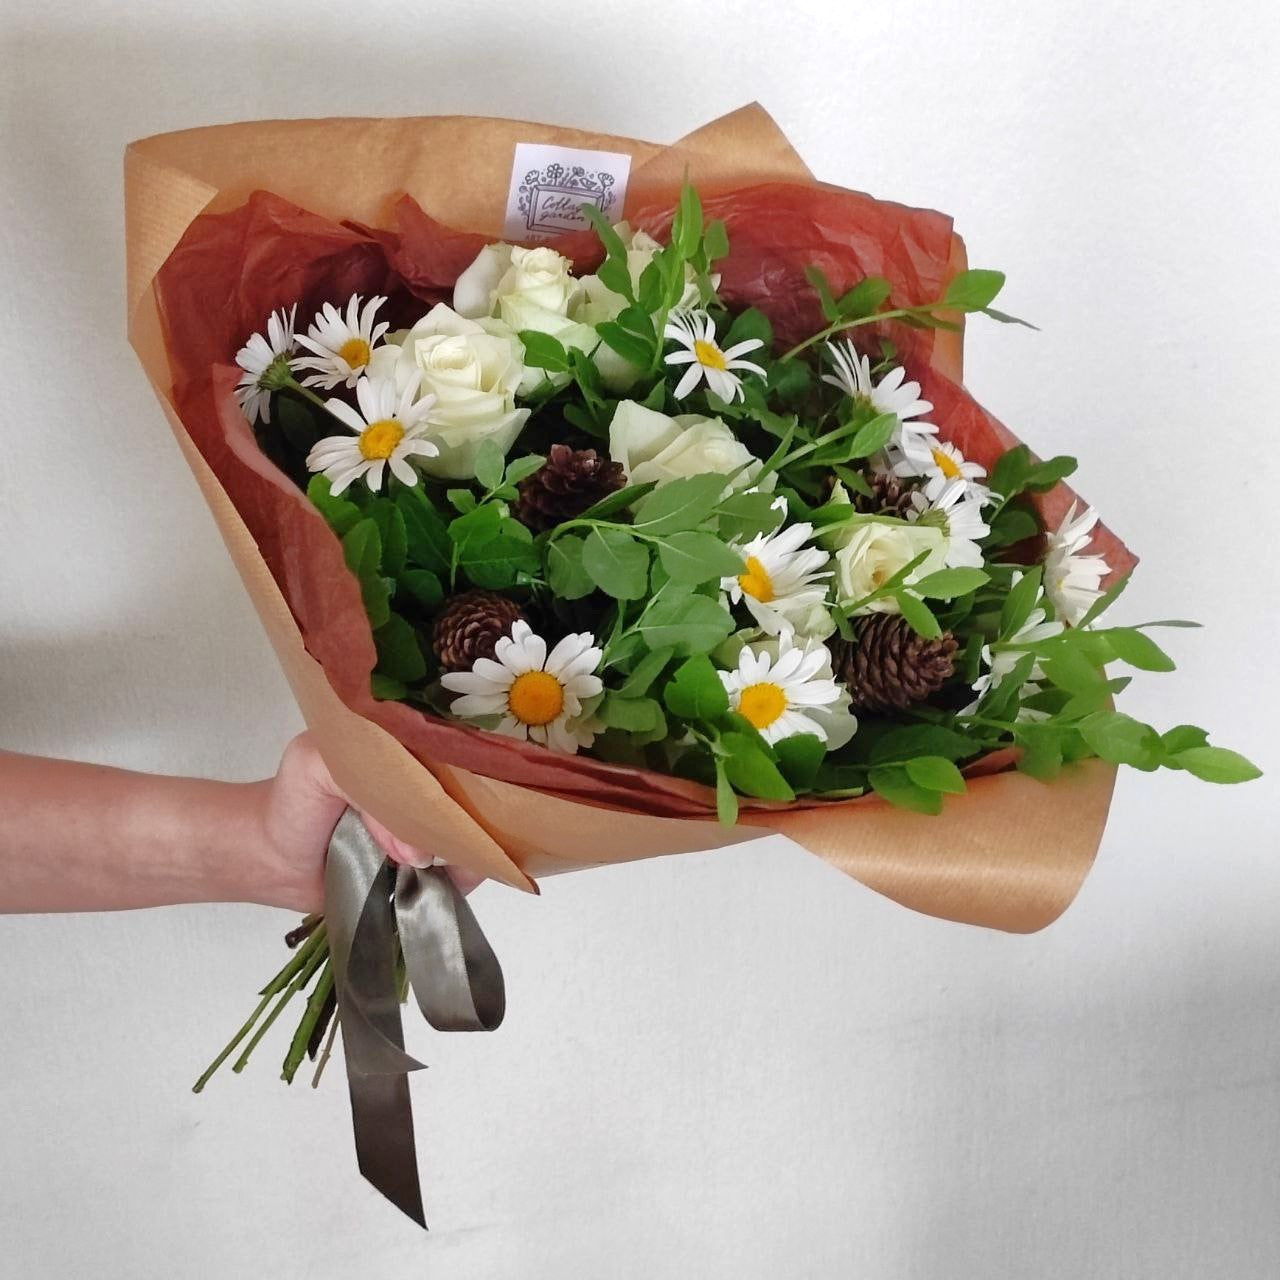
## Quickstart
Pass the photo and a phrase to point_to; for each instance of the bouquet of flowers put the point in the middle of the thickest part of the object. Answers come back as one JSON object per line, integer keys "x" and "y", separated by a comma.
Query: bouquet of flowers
{"x": 679, "y": 526}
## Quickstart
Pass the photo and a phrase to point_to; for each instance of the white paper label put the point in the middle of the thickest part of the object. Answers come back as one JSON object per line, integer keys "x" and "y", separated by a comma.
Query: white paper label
{"x": 549, "y": 184}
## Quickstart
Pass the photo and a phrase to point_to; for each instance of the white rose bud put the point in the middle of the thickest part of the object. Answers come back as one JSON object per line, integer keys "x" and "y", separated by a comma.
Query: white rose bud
{"x": 652, "y": 446}
{"x": 872, "y": 551}
{"x": 473, "y": 368}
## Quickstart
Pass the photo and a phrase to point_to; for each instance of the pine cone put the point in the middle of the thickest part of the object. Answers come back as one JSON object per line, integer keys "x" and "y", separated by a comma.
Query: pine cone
{"x": 889, "y": 666}
{"x": 890, "y": 496}
{"x": 570, "y": 481}
{"x": 470, "y": 625}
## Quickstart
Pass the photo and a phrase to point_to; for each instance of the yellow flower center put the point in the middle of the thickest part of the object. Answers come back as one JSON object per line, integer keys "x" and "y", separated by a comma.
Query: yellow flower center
{"x": 709, "y": 355}
{"x": 379, "y": 439}
{"x": 355, "y": 351}
{"x": 756, "y": 581}
{"x": 946, "y": 464}
{"x": 536, "y": 697}
{"x": 762, "y": 703}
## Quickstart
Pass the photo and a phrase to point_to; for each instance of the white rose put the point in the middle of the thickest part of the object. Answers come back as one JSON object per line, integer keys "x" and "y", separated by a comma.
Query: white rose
{"x": 652, "y": 446}
{"x": 473, "y": 368}
{"x": 872, "y": 551}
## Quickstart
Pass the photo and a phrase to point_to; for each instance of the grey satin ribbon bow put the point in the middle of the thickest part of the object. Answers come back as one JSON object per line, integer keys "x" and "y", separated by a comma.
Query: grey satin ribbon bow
{"x": 374, "y": 907}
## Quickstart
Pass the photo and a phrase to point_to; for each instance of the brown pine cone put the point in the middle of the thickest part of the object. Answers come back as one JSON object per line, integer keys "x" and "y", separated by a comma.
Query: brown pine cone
{"x": 890, "y": 496}
{"x": 470, "y": 625}
{"x": 570, "y": 481}
{"x": 889, "y": 666}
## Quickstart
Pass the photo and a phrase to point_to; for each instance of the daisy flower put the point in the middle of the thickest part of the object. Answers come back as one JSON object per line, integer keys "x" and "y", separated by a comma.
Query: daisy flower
{"x": 782, "y": 689}
{"x": 1072, "y": 581}
{"x": 892, "y": 394}
{"x": 781, "y": 584}
{"x": 941, "y": 464}
{"x": 388, "y": 433}
{"x": 1001, "y": 662}
{"x": 537, "y": 695}
{"x": 342, "y": 344}
{"x": 959, "y": 515}
{"x": 695, "y": 331}
{"x": 263, "y": 360}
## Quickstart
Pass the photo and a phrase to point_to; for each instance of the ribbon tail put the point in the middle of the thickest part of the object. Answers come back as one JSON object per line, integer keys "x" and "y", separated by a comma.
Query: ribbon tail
{"x": 377, "y": 912}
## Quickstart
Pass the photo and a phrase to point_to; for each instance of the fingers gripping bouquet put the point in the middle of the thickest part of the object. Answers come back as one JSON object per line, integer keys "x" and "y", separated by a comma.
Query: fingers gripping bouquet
{"x": 646, "y": 538}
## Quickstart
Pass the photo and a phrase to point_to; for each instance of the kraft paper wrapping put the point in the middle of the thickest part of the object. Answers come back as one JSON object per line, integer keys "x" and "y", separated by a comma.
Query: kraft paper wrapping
{"x": 1010, "y": 854}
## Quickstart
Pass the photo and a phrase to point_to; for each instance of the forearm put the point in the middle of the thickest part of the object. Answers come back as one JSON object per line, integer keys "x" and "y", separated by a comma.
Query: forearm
{"x": 81, "y": 837}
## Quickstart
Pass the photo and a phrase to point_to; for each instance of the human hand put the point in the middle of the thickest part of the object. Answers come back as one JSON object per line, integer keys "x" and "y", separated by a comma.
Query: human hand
{"x": 300, "y": 807}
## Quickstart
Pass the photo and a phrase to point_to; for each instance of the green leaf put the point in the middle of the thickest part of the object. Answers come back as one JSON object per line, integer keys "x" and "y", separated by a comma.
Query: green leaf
{"x": 393, "y": 532}
{"x": 726, "y": 800}
{"x": 935, "y": 773}
{"x": 423, "y": 586}
{"x": 918, "y": 615}
{"x": 645, "y": 673}
{"x": 1041, "y": 756}
{"x": 362, "y": 548}
{"x": 628, "y": 345}
{"x": 1105, "y": 601}
{"x": 609, "y": 237}
{"x": 1069, "y": 669}
{"x": 1121, "y": 739}
{"x": 299, "y": 424}
{"x": 1138, "y": 650}
{"x": 565, "y": 573}
{"x": 616, "y": 563}
{"x": 1045, "y": 475}
{"x": 695, "y": 691}
{"x": 1182, "y": 738}
{"x": 635, "y": 715}
{"x": 696, "y": 556}
{"x": 947, "y": 584}
{"x": 1009, "y": 474}
{"x": 521, "y": 468}
{"x": 428, "y": 541}
{"x": 1217, "y": 764}
{"x": 679, "y": 504}
{"x": 339, "y": 513}
{"x": 864, "y": 299}
{"x": 686, "y": 226}
{"x": 498, "y": 562}
{"x": 399, "y": 653}
{"x": 903, "y": 744}
{"x": 973, "y": 290}
{"x": 742, "y": 516}
{"x": 542, "y": 351}
{"x": 872, "y": 436}
{"x": 750, "y": 769}
{"x": 799, "y": 758}
{"x": 715, "y": 240}
{"x": 385, "y": 689}
{"x": 686, "y": 624}
{"x": 616, "y": 502}
{"x": 892, "y": 783}
{"x": 1020, "y": 602}
{"x": 819, "y": 281}
{"x": 748, "y": 324}
{"x": 490, "y": 464}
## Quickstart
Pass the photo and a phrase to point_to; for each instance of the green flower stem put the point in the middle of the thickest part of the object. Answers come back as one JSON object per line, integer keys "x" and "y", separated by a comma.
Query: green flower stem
{"x": 325, "y": 1053}
{"x": 840, "y": 326}
{"x": 318, "y": 948}
{"x": 301, "y": 1037}
{"x": 277, "y": 984}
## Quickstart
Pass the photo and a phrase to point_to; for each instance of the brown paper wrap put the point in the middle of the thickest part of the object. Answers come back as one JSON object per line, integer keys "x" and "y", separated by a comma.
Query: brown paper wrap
{"x": 1009, "y": 854}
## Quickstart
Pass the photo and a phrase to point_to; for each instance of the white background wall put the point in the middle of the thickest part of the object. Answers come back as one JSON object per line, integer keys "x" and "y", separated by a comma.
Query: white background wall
{"x": 738, "y": 1065}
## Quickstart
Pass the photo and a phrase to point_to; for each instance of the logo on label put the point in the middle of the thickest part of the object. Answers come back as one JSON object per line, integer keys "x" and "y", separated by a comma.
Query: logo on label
{"x": 549, "y": 186}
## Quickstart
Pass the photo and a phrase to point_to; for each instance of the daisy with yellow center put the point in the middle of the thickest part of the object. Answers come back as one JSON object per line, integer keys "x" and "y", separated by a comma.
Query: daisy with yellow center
{"x": 695, "y": 331}
{"x": 532, "y": 694}
{"x": 782, "y": 584}
{"x": 942, "y": 465}
{"x": 785, "y": 689}
{"x": 388, "y": 433}
{"x": 263, "y": 360}
{"x": 342, "y": 345}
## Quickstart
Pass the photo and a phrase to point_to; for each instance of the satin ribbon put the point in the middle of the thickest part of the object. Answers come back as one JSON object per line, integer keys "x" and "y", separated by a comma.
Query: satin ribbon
{"x": 374, "y": 909}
